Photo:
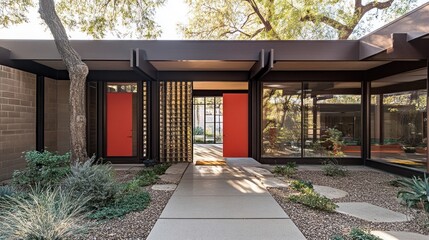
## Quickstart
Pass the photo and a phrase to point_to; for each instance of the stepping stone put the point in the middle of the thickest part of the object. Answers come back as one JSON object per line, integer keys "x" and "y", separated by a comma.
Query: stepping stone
{"x": 272, "y": 182}
{"x": 177, "y": 168}
{"x": 258, "y": 172}
{"x": 369, "y": 212}
{"x": 394, "y": 235}
{"x": 329, "y": 192}
{"x": 164, "y": 187}
{"x": 241, "y": 162}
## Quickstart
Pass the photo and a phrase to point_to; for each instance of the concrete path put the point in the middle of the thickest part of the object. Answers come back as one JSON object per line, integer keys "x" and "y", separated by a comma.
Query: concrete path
{"x": 222, "y": 202}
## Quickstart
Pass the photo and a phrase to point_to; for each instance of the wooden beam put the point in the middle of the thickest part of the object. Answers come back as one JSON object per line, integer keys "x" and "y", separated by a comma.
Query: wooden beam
{"x": 141, "y": 64}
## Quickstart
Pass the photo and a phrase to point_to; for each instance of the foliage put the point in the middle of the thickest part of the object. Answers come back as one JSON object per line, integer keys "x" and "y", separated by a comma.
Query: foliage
{"x": 285, "y": 171}
{"x": 45, "y": 214}
{"x": 146, "y": 177}
{"x": 337, "y": 237}
{"x": 333, "y": 169}
{"x": 43, "y": 168}
{"x": 14, "y": 11}
{"x": 274, "y": 20}
{"x": 6, "y": 192}
{"x": 334, "y": 142}
{"x": 416, "y": 192}
{"x": 301, "y": 186}
{"x": 314, "y": 200}
{"x": 198, "y": 130}
{"x": 358, "y": 234}
{"x": 160, "y": 169}
{"x": 135, "y": 201}
{"x": 95, "y": 181}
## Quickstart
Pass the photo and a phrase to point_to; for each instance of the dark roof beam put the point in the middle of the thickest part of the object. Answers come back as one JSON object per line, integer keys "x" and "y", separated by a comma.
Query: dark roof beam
{"x": 142, "y": 65}
{"x": 402, "y": 49}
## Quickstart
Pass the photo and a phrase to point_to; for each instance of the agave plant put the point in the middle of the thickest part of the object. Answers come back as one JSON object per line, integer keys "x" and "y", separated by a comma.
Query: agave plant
{"x": 416, "y": 192}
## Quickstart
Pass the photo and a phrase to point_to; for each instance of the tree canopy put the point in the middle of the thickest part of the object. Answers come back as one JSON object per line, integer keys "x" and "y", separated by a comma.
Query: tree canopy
{"x": 288, "y": 19}
{"x": 122, "y": 18}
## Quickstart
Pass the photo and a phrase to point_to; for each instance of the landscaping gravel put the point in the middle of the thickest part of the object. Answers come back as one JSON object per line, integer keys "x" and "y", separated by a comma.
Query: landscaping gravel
{"x": 136, "y": 225}
{"x": 363, "y": 186}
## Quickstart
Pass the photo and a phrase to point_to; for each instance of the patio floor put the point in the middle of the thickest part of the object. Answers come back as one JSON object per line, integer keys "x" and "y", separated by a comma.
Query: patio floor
{"x": 208, "y": 152}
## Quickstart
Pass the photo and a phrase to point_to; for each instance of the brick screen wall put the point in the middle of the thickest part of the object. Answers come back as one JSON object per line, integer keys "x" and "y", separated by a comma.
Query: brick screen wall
{"x": 17, "y": 118}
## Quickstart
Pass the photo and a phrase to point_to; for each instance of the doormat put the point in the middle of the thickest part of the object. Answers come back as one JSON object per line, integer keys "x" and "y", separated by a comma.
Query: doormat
{"x": 211, "y": 163}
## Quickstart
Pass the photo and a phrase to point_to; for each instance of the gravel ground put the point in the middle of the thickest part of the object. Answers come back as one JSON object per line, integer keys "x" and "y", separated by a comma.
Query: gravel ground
{"x": 363, "y": 186}
{"x": 135, "y": 225}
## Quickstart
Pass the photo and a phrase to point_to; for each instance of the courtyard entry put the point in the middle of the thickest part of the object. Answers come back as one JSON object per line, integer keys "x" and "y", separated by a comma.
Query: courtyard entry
{"x": 220, "y": 120}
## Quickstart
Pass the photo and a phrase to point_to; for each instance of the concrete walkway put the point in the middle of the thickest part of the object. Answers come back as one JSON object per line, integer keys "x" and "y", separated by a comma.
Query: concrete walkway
{"x": 222, "y": 202}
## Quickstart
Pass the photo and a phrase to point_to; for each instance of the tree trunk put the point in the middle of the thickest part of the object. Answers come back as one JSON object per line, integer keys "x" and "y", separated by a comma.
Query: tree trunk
{"x": 78, "y": 71}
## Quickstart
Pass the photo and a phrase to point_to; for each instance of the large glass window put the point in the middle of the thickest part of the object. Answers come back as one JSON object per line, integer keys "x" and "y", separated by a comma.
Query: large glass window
{"x": 398, "y": 122}
{"x": 332, "y": 119}
{"x": 281, "y": 120}
{"x": 311, "y": 119}
{"x": 208, "y": 119}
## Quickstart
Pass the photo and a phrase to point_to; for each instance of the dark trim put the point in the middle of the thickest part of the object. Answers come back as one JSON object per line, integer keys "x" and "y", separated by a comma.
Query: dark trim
{"x": 214, "y": 93}
{"x": 395, "y": 169}
{"x": 121, "y": 160}
{"x": 393, "y": 68}
{"x": 320, "y": 160}
{"x": 113, "y": 76}
{"x": 240, "y": 76}
{"x": 400, "y": 87}
{"x": 331, "y": 76}
{"x": 40, "y": 113}
{"x": 100, "y": 119}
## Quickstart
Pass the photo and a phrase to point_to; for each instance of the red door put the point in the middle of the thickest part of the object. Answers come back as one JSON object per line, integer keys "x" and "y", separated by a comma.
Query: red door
{"x": 119, "y": 124}
{"x": 235, "y": 125}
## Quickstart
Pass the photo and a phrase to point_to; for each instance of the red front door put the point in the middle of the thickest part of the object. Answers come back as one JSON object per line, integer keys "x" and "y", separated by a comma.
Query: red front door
{"x": 235, "y": 125}
{"x": 119, "y": 124}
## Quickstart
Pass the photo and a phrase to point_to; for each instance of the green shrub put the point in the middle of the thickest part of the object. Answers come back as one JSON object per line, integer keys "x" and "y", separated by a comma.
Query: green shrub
{"x": 416, "y": 192}
{"x": 146, "y": 177}
{"x": 45, "y": 214}
{"x": 315, "y": 201}
{"x": 43, "y": 168}
{"x": 333, "y": 169}
{"x": 160, "y": 169}
{"x": 285, "y": 171}
{"x": 301, "y": 185}
{"x": 131, "y": 202}
{"x": 6, "y": 192}
{"x": 131, "y": 186}
{"x": 358, "y": 234}
{"x": 95, "y": 181}
{"x": 337, "y": 237}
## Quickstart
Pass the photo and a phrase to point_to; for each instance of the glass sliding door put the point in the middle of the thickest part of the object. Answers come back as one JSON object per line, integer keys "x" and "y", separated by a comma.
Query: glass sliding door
{"x": 281, "y": 120}
{"x": 332, "y": 119}
{"x": 398, "y": 122}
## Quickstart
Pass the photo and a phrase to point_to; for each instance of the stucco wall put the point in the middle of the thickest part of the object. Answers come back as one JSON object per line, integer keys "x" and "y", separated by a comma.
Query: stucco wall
{"x": 17, "y": 118}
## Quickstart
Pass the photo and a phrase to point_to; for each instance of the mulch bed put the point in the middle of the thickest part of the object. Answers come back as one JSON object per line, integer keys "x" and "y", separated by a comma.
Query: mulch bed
{"x": 363, "y": 186}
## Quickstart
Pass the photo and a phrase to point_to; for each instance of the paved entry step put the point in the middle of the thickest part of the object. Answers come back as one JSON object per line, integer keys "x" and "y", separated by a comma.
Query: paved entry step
{"x": 225, "y": 229}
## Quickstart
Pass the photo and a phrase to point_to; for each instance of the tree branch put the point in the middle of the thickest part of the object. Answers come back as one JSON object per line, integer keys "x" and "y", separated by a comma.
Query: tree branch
{"x": 376, "y": 4}
{"x": 267, "y": 24}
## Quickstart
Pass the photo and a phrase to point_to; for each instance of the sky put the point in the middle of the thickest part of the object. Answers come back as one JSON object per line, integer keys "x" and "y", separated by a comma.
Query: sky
{"x": 176, "y": 10}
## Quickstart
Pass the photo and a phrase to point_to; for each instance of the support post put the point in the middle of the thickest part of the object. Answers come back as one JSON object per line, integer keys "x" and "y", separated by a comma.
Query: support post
{"x": 153, "y": 119}
{"x": 366, "y": 120}
{"x": 427, "y": 111}
{"x": 40, "y": 113}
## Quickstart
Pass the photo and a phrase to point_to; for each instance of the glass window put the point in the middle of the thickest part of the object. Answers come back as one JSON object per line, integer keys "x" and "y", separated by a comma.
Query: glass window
{"x": 398, "y": 122}
{"x": 332, "y": 119}
{"x": 281, "y": 120}
{"x": 208, "y": 119}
